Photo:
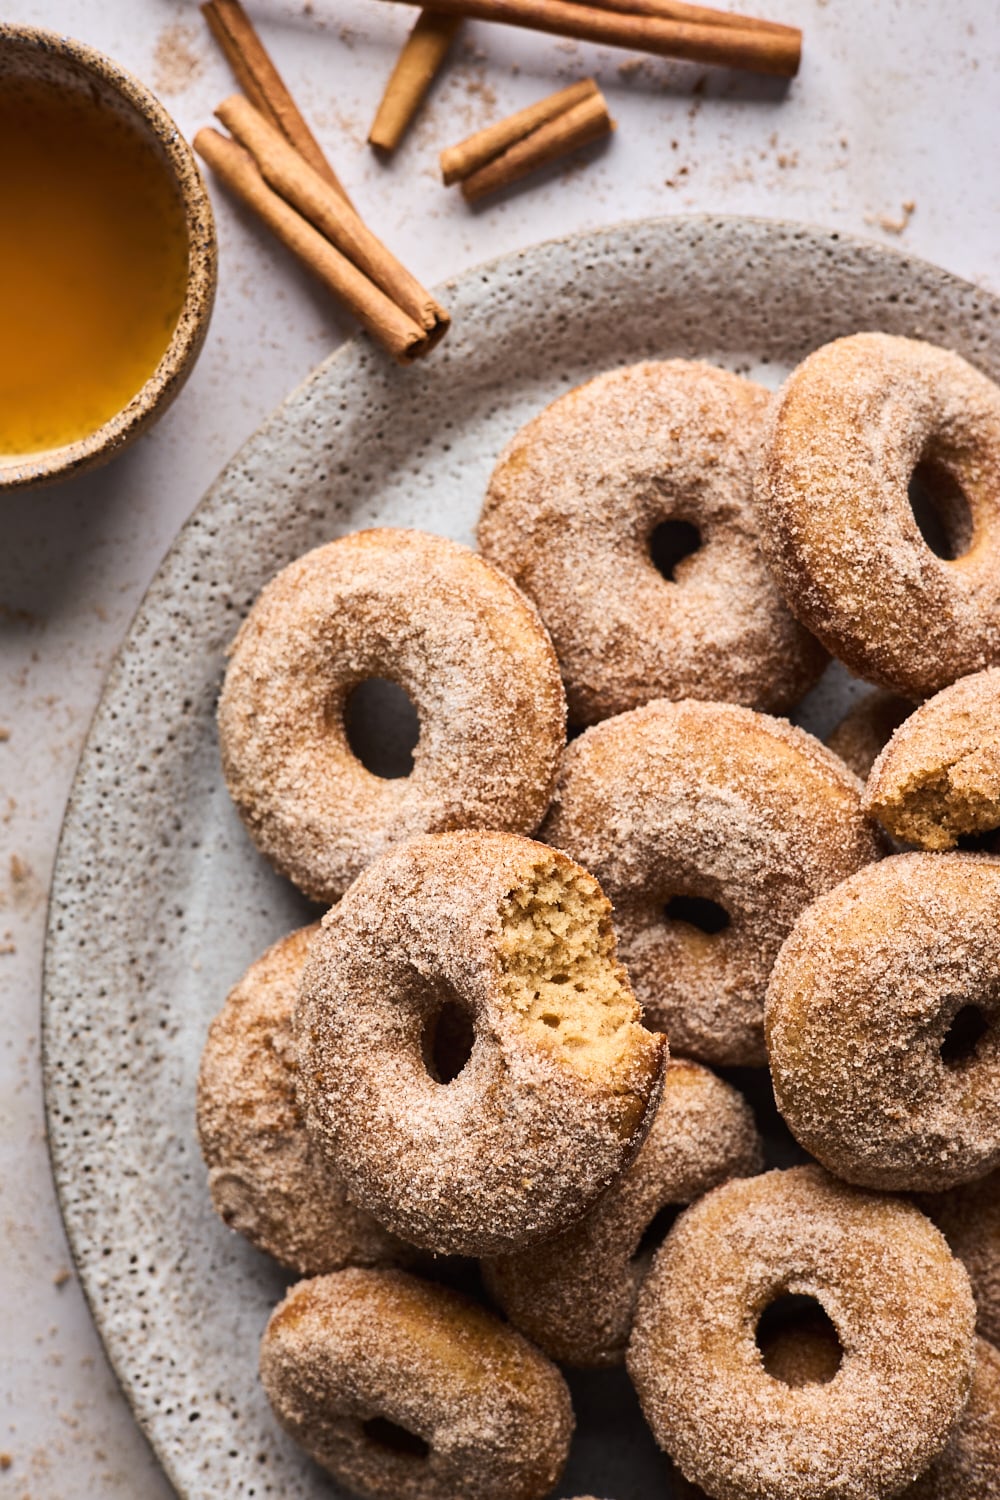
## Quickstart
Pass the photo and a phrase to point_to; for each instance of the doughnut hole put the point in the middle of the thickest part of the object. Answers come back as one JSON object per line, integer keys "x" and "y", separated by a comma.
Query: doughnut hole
{"x": 698, "y": 912}
{"x": 448, "y": 1039}
{"x": 382, "y": 727}
{"x": 798, "y": 1342}
{"x": 961, "y": 1041}
{"x": 670, "y": 543}
{"x": 559, "y": 971}
{"x": 391, "y": 1438}
{"x": 940, "y": 508}
{"x": 656, "y": 1231}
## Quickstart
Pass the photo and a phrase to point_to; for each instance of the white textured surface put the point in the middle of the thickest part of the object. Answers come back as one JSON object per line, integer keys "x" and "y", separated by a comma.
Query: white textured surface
{"x": 916, "y": 111}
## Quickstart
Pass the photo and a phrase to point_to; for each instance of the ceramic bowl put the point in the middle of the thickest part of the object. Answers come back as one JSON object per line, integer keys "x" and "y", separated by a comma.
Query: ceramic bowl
{"x": 28, "y": 52}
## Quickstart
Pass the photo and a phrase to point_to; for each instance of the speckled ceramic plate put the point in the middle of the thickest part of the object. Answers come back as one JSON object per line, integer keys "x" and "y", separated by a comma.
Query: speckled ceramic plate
{"x": 159, "y": 901}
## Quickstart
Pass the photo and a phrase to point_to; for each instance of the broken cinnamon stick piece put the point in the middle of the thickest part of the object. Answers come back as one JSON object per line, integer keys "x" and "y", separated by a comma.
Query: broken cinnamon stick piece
{"x": 423, "y": 53}
{"x": 574, "y": 127}
{"x": 759, "y": 49}
{"x": 263, "y": 84}
{"x": 301, "y": 185}
{"x": 460, "y": 161}
{"x": 404, "y": 339}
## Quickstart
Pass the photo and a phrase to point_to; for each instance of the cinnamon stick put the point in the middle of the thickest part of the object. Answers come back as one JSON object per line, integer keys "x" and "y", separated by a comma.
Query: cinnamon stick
{"x": 263, "y": 84}
{"x": 423, "y": 53}
{"x": 300, "y": 185}
{"x": 760, "y": 49}
{"x": 458, "y": 162}
{"x": 679, "y": 10}
{"x": 575, "y": 127}
{"x": 394, "y": 329}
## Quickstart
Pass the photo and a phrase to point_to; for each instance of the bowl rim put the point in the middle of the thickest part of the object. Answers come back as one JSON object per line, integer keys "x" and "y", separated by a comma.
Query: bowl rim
{"x": 22, "y": 471}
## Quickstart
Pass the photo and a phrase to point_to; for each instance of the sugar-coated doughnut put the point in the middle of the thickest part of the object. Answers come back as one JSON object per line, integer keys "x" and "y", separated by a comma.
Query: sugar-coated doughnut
{"x": 574, "y": 1296}
{"x": 881, "y": 1023}
{"x": 850, "y": 429}
{"x": 266, "y": 1178}
{"x": 939, "y": 775}
{"x": 899, "y": 1301}
{"x": 969, "y": 1218}
{"x": 572, "y": 514}
{"x": 404, "y": 1390}
{"x": 562, "y": 1079}
{"x": 458, "y": 637}
{"x": 968, "y": 1467}
{"x": 724, "y": 805}
{"x": 866, "y": 729}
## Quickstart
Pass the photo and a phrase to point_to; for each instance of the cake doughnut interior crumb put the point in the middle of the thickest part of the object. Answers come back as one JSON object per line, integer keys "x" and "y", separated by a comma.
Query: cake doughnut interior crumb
{"x": 558, "y": 969}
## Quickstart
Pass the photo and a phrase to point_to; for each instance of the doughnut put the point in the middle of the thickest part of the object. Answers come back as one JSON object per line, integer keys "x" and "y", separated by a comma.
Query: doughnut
{"x": 968, "y": 1468}
{"x": 574, "y": 1296}
{"x": 710, "y": 828}
{"x": 880, "y": 1022}
{"x": 939, "y": 775}
{"x": 265, "y": 1177}
{"x": 866, "y": 727}
{"x": 859, "y": 424}
{"x": 430, "y": 616}
{"x": 403, "y": 1390}
{"x": 579, "y": 505}
{"x": 561, "y": 1082}
{"x": 900, "y": 1304}
{"x": 969, "y": 1218}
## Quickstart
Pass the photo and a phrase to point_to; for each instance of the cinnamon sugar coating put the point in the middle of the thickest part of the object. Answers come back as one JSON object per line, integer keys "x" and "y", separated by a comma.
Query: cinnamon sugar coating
{"x": 575, "y": 1295}
{"x": 407, "y": 1391}
{"x": 848, "y": 430}
{"x": 969, "y": 1218}
{"x": 458, "y": 637}
{"x": 968, "y": 1467}
{"x": 571, "y": 512}
{"x": 266, "y": 1178}
{"x": 881, "y": 1023}
{"x": 562, "y": 1079}
{"x": 866, "y": 729}
{"x": 939, "y": 775}
{"x": 717, "y": 802}
{"x": 900, "y": 1303}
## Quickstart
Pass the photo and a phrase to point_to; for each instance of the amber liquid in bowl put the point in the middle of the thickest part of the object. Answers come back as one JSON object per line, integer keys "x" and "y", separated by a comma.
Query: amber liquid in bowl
{"x": 93, "y": 263}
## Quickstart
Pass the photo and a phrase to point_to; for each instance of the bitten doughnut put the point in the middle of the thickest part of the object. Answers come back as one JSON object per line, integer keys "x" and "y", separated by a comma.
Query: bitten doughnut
{"x": 969, "y": 1218}
{"x": 710, "y": 828}
{"x": 881, "y": 1023}
{"x": 579, "y": 504}
{"x": 574, "y": 1296}
{"x": 266, "y": 1178}
{"x": 404, "y": 1390}
{"x": 434, "y": 618}
{"x": 866, "y": 729}
{"x": 898, "y": 1299}
{"x": 850, "y": 429}
{"x": 968, "y": 1468}
{"x": 939, "y": 775}
{"x": 561, "y": 1081}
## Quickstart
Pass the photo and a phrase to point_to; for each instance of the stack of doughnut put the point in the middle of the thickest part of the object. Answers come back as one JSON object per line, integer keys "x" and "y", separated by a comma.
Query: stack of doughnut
{"x": 499, "y": 1044}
